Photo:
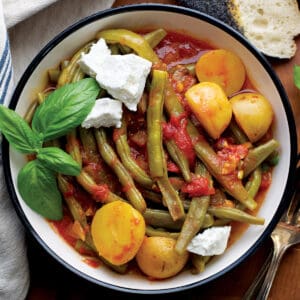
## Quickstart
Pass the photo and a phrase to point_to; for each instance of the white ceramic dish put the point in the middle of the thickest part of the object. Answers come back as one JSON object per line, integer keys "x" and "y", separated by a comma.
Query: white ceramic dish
{"x": 205, "y": 28}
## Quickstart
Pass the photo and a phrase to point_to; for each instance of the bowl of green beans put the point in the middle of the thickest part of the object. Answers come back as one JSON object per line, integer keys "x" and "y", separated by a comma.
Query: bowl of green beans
{"x": 158, "y": 153}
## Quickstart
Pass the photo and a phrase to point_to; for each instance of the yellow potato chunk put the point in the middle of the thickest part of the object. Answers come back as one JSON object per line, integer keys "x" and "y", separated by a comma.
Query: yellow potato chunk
{"x": 253, "y": 113}
{"x": 222, "y": 67}
{"x": 210, "y": 105}
{"x": 118, "y": 231}
{"x": 158, "y": 259}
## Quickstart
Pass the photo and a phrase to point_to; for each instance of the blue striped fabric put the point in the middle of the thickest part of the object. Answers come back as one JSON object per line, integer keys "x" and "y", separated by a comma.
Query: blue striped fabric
{"x": 5, "y": 73}
{"x": 5, "y": 63}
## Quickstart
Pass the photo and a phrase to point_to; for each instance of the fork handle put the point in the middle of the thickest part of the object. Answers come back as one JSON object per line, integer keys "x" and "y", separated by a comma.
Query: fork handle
{"x": 278, "y": 252}
{"x": 256, "y": 284}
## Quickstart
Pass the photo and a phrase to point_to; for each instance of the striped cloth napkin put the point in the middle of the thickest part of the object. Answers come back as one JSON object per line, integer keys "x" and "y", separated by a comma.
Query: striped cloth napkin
{"x": 25, "y": 27}
{"x": 14, "y": 274}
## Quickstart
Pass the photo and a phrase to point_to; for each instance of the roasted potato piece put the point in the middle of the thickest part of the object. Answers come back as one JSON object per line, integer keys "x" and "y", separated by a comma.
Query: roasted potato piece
{"x": 210, "y": 105}
{"x": 253, "y": 113}
{"x": 118, "y": 231}
{"x": 222, "y": 67}
{"x": 157, "y": 257}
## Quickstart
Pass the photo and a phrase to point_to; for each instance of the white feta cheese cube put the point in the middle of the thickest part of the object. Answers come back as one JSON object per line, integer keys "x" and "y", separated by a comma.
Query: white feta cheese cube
{"x": 90, "y": 62}
{"x": 106, "y": 112}
{"x": 212, "y": 241}
{"x": 124, "y": 77}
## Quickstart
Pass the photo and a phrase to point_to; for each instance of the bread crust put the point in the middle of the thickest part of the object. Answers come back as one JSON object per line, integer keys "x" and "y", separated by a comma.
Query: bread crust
{"x": 270, "y": 25}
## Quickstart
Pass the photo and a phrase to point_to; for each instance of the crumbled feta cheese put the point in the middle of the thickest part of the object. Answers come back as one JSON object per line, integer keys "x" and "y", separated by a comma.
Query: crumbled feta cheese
{"x": 105, "y": 113}
{"x": 90, "y": 62}
{"x": 212, "y": 241}
{"x": 124, "y": 77}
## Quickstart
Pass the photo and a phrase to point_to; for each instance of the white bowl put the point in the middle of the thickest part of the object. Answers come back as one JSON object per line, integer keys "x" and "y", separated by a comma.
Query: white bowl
{"x": 205, "y": 28}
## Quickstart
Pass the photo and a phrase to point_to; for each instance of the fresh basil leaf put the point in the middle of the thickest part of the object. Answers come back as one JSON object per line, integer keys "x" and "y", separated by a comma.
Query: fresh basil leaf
{"x": 37, "y": 186}
{"x": 65, "y": 108}
{"x": 17, "y": 131}
{"x": 297, "y": 76}
{"x": 58, "y": 160}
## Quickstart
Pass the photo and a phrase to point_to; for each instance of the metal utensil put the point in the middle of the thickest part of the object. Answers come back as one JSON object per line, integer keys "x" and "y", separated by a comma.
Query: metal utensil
{"x": 285, "y": 234}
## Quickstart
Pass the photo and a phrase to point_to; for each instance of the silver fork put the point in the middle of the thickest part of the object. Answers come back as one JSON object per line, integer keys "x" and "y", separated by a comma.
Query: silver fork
{"x": 285, "y": 234}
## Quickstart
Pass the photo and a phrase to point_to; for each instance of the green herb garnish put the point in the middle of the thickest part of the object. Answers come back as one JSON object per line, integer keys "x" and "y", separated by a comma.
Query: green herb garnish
{"x": 297, "y": 76}
{"x": 63, "y": 110}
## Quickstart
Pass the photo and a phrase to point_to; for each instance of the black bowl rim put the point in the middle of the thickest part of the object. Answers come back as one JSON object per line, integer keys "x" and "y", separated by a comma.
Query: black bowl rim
{"x": 173, "y": 9}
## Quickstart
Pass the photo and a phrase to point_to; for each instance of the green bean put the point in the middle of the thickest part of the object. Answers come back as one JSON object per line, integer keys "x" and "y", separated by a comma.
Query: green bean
{"x": 143, "y": 103}
{"x": 235, "y": 214}
{"x": 75, "y": 209}
{"x": 110, "y": 157}
{"x": 273, "y": 158}
{"x": 73, "y": 147}
{"x": 179, "y": 158}
{"x": 193, "y": 222}
{"x": 162, "y": 219}
{"x": 156, "y": 156}
{"x": 154, "y": 120}
{"x": 79, "y": 215}
{"x": 171, "y": 198}
{"x": 151, "y": 195}
{"x": 221, "y": 222}
{"x": 238, "y": 134}
{"x": 150, "y": 231}
{"x": 81, "y": 246}
{"x": 155, "y": 37}
{"x": 72, "y": 71}
{"x": 198, "y": 262}
{"x": 64, "y": 64}
{"x": 89, "y": 144}
{"x": 230, "y": 182}
{"x": 124, "y": 49}
{"x": 131, "y": 40}
{"x": 54, "y": 74}
{"x": 77, "y": 75}
{"x": 100, "y": 192}
{"x": 84, "y": 248}
{"x": 253, "y": 184}
{"x": 201, "y": 170}
{"x": 195, "y": 216}
{"x": 42, "y": 96}
{"x": 258, "y": 154}
{"x": 114, "y": 49}
{"x": 30, "y": 112}
{"x": 122, "y": 147}
{"x": 121, "y": 269}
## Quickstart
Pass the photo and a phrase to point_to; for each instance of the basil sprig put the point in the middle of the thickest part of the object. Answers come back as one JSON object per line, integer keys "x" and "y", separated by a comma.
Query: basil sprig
{"x": 297, "y": 76}
{"x": 63, "y": 110}
{"x": 37, "y": 186}
{"x": 58, "y": 115}
{"x": 18, "y": 133}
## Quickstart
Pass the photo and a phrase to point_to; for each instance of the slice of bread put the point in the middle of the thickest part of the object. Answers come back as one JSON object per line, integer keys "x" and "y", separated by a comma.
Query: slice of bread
{"x": 271, "y": 25}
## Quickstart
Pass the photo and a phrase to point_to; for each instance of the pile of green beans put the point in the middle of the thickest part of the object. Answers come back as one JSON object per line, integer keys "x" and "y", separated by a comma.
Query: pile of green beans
{"x": 166, "y": 210}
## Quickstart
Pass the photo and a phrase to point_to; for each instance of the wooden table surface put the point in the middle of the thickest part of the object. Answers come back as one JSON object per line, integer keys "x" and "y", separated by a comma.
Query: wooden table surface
{"x": 49, "y": 280}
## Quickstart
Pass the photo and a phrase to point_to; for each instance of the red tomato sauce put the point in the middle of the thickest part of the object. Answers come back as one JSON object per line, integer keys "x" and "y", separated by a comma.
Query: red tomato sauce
{"x": 177, "y": 48}
{"x": 176, "y": 130}
{"x": 230, "y": 154}
{"x": 199, "y": 186}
